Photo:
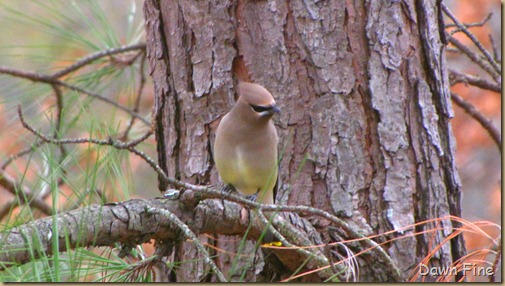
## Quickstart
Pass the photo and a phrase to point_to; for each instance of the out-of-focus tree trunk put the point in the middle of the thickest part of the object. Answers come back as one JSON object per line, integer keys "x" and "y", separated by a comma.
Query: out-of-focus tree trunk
{"x": 364, "y": 128}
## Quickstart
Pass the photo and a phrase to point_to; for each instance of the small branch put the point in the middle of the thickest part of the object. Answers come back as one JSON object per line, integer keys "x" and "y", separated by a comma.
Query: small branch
{"x": 472, "y": 37}
{"x": 475, "y": 58}
{"x": 469, "y": 25}
{"x": 496, "y": 57}
{"x": 320, "y": 259}
{"x": 105, "y": 99}
{"x": 132, "y": 222}
{"x": 21, "y": 153}
{"x": 457, "y": 77}
{"x": 190, "y": 235}
{"x": 36, "y": 77}
{"x": 57, "y": 128}
{"x": 483, "y": 120}
{"x": 138, "y": 95}
{"x": 110, "y": 142}
{"x": 93, "y": 57}
{"x": 6, "y": 208}
{"x": 23, "y": 194}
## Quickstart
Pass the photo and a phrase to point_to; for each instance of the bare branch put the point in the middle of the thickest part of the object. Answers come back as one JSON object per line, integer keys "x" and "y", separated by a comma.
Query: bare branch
{"x": 22, "y": 153}
{"x": 138, "y": 95}
{"x": 495, "y": 50}
{"x": 190, "y": 235}
{"x": 102, "y": 98}
{"x": 320, "y": 260}
{"x": 472, "y": 37}
{"x": 457, "y": 77}
{"x": 469, "y": 25}
{"x": 6, "y": 208}
{"x": 23, "y": 194}
{"x": 475, "y": 58}
{"x": 57, "y": 128}
{"x": 37, "y": 77}
{"x": 110, "y": 142}
{"x": 93, "y": 57}
{"x": 54, "y": 81}
{"x": 483, "y": 120}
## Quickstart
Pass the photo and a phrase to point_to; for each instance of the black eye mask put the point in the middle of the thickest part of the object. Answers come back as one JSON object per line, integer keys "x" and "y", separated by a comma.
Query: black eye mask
{"x": 260, "y": 109}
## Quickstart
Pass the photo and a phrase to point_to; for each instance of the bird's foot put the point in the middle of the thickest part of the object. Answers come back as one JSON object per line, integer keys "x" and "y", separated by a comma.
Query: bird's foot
{"x": 228, "y": 189}
{"x": 252, "y": 197}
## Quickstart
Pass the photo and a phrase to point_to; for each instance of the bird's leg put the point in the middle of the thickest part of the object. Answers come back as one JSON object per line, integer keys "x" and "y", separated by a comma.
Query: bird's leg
{"x": 254, "y": 197}
{"x": 228, "y": 189}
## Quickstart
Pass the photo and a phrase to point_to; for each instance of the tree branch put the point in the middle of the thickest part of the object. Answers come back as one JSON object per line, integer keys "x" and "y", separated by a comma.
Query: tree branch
{"x": 475, "y": 58}
{"x": 484, "y": 121}
{"x": 54, "y": 79}
{"x": 211, "y": 193}
{"x": 191, "y": 236}
{"x": 457, "y": 77}
{"x": 93, "y": 57}
{"x": 110, "y": 142}
{"x": 22, "y": 193}
{"x": 472, "y": 37}
{"x": 23, "y": 152}
{"x": 130, "y": 222}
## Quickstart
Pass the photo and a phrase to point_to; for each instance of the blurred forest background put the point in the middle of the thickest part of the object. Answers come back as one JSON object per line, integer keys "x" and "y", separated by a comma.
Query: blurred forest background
{"x": 45, "y": 36}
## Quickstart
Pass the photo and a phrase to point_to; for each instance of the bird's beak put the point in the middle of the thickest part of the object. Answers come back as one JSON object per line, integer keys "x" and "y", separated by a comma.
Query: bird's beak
{"x": 275, "y": 109}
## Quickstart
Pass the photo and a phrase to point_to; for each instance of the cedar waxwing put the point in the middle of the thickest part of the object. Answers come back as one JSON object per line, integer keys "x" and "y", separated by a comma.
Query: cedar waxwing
{"x": 245, "y": 149}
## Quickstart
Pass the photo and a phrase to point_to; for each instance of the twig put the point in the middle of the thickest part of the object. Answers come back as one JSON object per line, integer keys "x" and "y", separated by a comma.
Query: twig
{"x": 321, "y": 260}
{"x": 475, "y": 58}
{"x": 457, "y": 77}
{"x": 190, "y": 235}
{"x": 22, "y": 153}
{"x": 55, "y": 84}
{"x": 110, "y": 142}
{"x": 495, "y": 50}
{"x": 54, "y": 81}
{"x": 453, "y": 50}
{"x": 23, "y": 194}
{"x": 484, "y": 121}
{"x": 6, "y": 208}
{"x": 57, "y": 128}
{"x": 472, "y": 37}
{"x": 138, "y": 95}
{"x": 115, "y": 104}
{"x": 468, "y": 25}
{"x": 93, "y": 57}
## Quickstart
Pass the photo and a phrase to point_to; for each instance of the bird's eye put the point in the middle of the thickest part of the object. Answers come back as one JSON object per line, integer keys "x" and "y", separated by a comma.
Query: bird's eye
{"x": 260, "y": 109}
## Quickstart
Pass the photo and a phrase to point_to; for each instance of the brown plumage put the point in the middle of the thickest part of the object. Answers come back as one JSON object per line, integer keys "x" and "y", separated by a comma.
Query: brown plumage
{"x": 245, "y": 149}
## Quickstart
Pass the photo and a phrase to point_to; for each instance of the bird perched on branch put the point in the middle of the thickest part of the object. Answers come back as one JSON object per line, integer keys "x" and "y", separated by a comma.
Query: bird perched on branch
{"x": 245, "y": 149}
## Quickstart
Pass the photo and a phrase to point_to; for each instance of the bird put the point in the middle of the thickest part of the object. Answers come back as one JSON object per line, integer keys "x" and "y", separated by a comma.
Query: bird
{"x": 245, "y": 148}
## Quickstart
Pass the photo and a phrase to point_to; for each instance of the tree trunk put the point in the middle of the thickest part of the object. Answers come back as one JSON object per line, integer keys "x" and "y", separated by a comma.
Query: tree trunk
{"x": 364, "y": 129}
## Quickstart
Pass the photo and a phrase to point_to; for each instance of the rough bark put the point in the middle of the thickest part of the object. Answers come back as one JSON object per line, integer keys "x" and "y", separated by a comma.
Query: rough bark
{"x": 137, "y": 221}
{"x": 365, "y": 131}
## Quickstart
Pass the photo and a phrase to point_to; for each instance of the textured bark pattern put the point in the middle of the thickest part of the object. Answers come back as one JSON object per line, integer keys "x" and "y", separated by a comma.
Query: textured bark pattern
{"x": 128, "y": 223}
{"x": 363, "y": 88}
{"x": 131, "y": 223}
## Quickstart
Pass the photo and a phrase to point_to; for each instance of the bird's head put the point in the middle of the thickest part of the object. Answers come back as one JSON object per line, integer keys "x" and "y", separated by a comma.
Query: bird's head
{"x": 256, "y": 102}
